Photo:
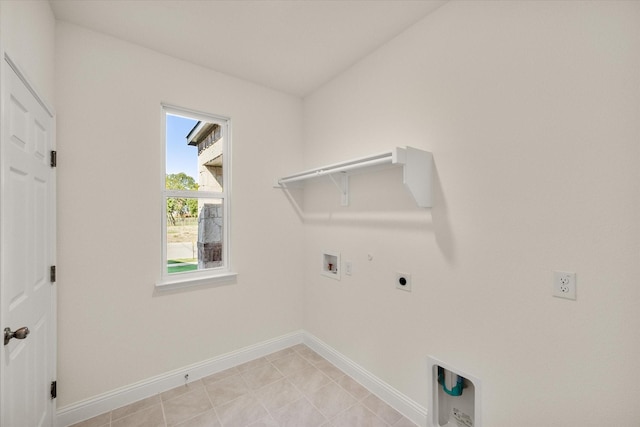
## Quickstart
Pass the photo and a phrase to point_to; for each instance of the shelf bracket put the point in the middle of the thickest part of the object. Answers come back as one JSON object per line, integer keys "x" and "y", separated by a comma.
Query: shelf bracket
{"x": 417, "y": 175}
{"x": 343, "y": 187}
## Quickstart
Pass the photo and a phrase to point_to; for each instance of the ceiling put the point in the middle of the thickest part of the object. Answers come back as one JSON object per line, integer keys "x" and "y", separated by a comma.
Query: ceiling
{"x": 293, "y": 46}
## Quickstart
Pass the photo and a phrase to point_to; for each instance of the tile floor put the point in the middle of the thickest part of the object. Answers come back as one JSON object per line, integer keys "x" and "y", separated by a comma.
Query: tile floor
{"x": 293, "y": 387}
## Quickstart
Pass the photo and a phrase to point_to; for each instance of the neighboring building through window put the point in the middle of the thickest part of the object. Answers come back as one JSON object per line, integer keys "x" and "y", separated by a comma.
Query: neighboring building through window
{"x": 196, "y": 197}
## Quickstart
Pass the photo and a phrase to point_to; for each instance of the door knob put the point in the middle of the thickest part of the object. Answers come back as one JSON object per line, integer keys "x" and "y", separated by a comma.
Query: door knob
{"x": 19, "y": 334}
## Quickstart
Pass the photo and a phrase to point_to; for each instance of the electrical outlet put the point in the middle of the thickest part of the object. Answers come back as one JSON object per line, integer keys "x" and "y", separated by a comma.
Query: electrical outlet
{"x": 564, "y": 284}
{"x": 403, "y": 281}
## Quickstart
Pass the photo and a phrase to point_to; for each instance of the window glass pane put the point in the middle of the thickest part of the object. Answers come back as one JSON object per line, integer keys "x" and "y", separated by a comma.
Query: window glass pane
{"x": 194, "y": 234}
{"x": 194, "y": 154}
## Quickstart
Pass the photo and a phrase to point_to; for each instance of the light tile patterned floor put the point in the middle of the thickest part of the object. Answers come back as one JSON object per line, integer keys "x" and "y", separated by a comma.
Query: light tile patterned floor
{"x": 294, "y": 387}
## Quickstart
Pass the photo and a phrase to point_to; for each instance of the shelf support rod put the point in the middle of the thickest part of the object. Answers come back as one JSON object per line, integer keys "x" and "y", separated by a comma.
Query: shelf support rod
{"x": 343, "y": 186}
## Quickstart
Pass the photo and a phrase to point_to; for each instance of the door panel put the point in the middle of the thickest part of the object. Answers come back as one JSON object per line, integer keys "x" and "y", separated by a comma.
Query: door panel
{"x": 27, "y": 224}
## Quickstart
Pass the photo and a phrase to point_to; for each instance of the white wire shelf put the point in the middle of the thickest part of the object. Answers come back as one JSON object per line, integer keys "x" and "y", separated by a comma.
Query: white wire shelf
{"x": 417, "y": 173}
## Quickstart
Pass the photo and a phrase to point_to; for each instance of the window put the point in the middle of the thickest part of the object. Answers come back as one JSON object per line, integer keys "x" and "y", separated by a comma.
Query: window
{"x": 195, "y": 202}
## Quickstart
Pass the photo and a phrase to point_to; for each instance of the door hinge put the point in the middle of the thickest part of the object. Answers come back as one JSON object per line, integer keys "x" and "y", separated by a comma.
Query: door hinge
{"x": 54, "y": 389}
{"x": 52, "y": 274}
{"x": 54, "y": 158}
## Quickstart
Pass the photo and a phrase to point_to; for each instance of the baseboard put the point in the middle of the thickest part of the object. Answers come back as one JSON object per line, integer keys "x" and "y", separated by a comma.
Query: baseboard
{"x": 123, "y": 396}
{"x": 401, "y": 403}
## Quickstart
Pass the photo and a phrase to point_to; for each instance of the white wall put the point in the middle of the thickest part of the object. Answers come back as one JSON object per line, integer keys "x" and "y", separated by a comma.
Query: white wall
{"x": 27, "y": 31}
{"x": 113, "y": 329}
{"x": 531, "y": 110}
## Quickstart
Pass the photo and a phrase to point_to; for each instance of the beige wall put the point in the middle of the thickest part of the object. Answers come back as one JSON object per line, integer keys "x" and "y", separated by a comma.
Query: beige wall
{"x": 113, "y": 329}
{"x": 27, "y": 29}
{"x": 531, "y": 110}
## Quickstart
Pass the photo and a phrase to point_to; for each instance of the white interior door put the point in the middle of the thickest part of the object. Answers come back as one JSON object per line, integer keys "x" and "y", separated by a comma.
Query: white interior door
{"x": 27, "y": 252}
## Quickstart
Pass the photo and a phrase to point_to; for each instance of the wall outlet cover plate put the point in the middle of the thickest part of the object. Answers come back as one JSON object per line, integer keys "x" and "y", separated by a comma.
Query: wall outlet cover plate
{"x": 564, "y": 285}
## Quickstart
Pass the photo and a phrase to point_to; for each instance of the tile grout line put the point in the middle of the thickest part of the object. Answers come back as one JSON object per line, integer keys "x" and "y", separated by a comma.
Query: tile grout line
{"x": 304, "y": 396}
{"x": 213, "y": 408}
{"x": 331, "y": 380}
{"x": 357, "y": 401}
{"x": 302, "y": 351}
{"x": 285, "y": 378}
{"x": 164, "y": 415}
{"x": 263, "y": 407}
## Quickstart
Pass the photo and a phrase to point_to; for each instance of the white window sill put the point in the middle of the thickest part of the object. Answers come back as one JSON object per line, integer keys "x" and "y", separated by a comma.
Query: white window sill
{"x": 172, "y": 283}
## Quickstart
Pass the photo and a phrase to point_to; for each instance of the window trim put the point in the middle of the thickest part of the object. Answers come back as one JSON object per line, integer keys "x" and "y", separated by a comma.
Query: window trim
{"x": 212, "y": 276}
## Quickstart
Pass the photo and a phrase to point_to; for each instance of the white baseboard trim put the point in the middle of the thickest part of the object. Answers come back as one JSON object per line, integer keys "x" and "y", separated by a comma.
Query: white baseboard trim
{"x": 401, "y": 403}
{"x": 123, "y": 396}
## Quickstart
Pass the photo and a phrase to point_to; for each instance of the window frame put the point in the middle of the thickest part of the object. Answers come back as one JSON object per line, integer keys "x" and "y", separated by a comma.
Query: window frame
{"x": 210, "y": 276}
